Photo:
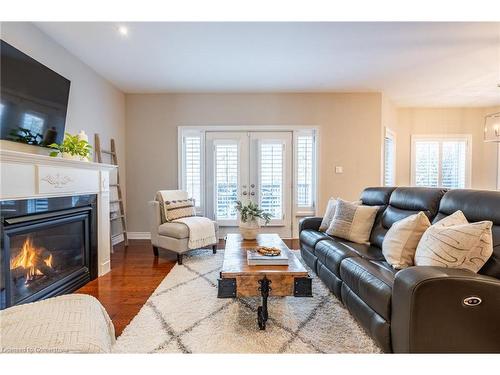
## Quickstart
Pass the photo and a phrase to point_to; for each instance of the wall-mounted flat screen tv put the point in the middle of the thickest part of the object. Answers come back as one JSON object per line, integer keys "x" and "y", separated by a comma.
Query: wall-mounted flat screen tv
{"x": 33, "y": 99}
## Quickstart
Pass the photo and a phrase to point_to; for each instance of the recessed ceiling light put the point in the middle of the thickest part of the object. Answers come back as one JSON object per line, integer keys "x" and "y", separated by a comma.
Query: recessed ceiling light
{"x": 123, "y": 30}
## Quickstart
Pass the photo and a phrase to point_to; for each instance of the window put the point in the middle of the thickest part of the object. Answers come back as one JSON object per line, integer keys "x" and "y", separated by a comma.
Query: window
{"x": 389, "y": 158}
{"x": 305, "y": 164}
{"x": 305, "y": 196}
{"x": 192, "y": 168}
{"x": 226, "y": 181}
{"x": 441, "y": 161}
{"x": 191, "y": 161}
{"x": 271, "y": 179}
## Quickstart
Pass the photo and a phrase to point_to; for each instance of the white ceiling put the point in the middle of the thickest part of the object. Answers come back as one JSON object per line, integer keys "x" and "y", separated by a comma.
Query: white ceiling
{"x": 415, "y": 64}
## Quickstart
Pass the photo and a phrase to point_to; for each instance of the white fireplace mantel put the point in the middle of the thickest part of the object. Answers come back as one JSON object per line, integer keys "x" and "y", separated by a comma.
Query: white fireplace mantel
{"x": 26, "y": 176}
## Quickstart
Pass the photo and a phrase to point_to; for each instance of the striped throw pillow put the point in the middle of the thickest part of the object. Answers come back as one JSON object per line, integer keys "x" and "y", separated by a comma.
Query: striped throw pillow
{"x": 179, "y": 209}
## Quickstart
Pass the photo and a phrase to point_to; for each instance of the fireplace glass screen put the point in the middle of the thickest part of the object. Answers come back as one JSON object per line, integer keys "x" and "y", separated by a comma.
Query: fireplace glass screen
{"x": 43, "y": 257}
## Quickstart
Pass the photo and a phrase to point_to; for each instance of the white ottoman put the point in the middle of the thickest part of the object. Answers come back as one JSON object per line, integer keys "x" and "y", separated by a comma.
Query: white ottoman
{"x": 74, "y": 323}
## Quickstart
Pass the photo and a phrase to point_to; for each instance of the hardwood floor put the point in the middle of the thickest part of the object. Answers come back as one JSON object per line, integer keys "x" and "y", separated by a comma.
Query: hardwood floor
{"x": 135, "y": 274}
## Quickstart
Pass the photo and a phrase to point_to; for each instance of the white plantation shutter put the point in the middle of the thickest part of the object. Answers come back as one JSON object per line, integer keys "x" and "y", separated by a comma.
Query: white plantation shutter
{"x": 271, "y": 179}
{"x": 192, "y": 167}
{"x": 389, "y": 158}
{"x": 441, "y": 162}
{"x": 427, "y": 163}
{"x": 305, "y": 170}
{"x": 226, "y": 180}
{"x": 453, "y": 164}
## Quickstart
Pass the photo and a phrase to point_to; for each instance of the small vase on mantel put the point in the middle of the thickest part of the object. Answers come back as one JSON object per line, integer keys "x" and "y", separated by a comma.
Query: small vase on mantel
{"x": 249, "y": 229}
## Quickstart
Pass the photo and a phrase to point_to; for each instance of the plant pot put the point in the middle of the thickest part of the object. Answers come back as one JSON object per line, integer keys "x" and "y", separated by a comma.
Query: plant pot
{"x": 67, "y": 155}
{"x": 249, "y": 229}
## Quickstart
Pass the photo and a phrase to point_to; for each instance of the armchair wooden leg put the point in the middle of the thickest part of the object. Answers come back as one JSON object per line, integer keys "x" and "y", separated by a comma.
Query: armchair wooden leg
{"x": 179, "y": 258}
{"x": 214, "y": 249}
{"x": 155, "y": 251}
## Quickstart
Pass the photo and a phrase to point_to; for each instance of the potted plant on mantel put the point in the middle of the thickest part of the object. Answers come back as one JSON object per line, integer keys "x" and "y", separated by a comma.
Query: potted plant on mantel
{"x": 74, "y": 147}
{"x": 249, "y": 219}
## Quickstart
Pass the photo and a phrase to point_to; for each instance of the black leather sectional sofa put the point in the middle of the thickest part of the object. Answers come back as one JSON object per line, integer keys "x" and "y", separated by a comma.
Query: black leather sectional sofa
{"x": 418, "y": 309}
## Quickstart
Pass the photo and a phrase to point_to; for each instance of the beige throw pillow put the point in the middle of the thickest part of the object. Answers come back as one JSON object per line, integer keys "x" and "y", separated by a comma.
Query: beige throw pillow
{"x": 179, "y": 209}
{"x": 455, "y": 243}
{"x": 175, "y": 209}
{"x": 330, "y": 213}
{"x": 352, "y": 222}
{"x": 401, "y": 240}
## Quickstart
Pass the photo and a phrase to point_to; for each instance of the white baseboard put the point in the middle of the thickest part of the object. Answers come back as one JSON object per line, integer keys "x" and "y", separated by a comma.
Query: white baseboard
{"x": 117, "y": 239}
{"x": 139, "y": 235}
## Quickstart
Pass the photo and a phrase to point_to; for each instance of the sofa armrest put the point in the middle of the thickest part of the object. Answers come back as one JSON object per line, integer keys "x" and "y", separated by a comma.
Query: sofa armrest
{"x": 310, "y": 223}
{"x": 442, "y": 310}
{"x": 154, "y": 220}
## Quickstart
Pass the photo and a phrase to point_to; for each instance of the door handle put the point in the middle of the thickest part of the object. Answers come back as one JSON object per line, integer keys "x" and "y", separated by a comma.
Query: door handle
{"x": 244, "y": 193}
{"x": 252, "y": 193}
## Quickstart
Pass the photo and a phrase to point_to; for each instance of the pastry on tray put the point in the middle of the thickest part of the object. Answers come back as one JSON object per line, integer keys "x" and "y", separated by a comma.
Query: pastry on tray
{"x": 269, "y": 251}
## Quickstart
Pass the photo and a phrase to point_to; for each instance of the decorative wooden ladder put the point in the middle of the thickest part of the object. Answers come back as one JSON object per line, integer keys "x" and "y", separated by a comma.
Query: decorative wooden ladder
{"x": 118, "y": 214}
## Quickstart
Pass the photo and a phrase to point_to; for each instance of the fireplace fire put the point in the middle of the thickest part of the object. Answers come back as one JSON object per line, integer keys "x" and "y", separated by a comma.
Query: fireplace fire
{"x": 32, "y": 261}
{"x": 48, "y": 247}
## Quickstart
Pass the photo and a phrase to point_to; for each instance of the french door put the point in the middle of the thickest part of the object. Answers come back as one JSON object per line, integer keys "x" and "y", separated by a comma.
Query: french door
{"x": 249, "y": 166}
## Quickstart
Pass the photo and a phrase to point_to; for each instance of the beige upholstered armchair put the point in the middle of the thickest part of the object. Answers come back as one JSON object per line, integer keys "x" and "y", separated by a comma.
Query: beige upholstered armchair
{"x": 171, "y": 235}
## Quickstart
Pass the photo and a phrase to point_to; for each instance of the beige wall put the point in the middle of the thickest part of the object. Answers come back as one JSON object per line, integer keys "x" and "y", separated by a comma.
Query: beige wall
{"x": 94, "y": 105}
{"x": 447, "y": 121}
{"x": 350, "y": 133}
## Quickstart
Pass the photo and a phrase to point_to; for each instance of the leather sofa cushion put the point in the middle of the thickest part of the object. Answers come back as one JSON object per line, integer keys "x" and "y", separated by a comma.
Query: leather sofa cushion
{"x": 403, "y": 203}
{"x": 331, "y": 252}
{"x": 365, "y": 250}
{"x": 370, "y": 281}
{"x": 376, "y": 196}
{"x": 376, "y": 326}
{"x": 177, "y": 230}
{"x": 311, "y": 237}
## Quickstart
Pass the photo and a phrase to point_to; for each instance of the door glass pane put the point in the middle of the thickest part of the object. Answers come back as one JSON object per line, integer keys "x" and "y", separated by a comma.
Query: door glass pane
{"x": 453, "y": 164}
{"x": 305, "y": 171}
{"x": 389, "y": 162}
{"x": 226, "y": 180}
{"x": 271, "y": 179}
{"x": 192, "y": 157}
{"x": 427, "y": 163}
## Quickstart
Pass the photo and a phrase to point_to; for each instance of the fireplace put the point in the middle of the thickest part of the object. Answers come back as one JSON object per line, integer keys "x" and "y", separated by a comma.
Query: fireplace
{"x": 48, "y": 247}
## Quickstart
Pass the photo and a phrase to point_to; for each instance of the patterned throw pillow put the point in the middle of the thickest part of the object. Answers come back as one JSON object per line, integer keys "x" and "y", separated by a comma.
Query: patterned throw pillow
{"x": 352, "y": 222}
{"x": 175, "y": 209}
{"x": 330, "y": 213}
{"x": 401, "y": 240}
{"x": 453, "y": 242}
{"x": 179, "y": 209}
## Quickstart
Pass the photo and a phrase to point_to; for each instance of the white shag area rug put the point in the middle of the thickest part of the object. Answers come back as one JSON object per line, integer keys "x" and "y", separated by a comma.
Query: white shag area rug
{"x": 184, "y": 315}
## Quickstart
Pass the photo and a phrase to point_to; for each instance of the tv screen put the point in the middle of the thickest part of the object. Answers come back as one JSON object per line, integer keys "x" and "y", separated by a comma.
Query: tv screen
{"x": 33, "y": 99}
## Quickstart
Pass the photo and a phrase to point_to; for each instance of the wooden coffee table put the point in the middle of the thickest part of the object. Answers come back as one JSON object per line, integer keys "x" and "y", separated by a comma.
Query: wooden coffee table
{"x": 238, "y": 279}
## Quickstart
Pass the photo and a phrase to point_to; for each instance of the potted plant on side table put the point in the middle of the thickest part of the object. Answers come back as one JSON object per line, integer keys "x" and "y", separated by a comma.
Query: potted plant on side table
{"x": 250, "y": 214}
{"x": 74, "y": 147}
